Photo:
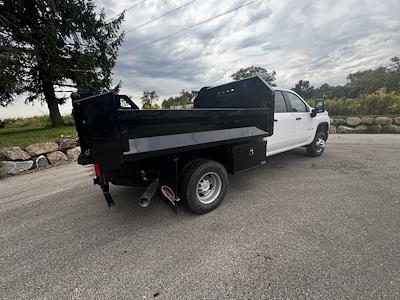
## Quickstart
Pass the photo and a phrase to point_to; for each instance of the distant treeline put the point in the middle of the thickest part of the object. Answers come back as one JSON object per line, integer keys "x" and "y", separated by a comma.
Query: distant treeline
{"x": 384, "y": 79}
{"x": 373, "y": 91}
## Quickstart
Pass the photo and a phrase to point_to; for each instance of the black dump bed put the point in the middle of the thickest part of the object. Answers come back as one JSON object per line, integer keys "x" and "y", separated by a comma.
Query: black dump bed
{"x": 112, "y": 135}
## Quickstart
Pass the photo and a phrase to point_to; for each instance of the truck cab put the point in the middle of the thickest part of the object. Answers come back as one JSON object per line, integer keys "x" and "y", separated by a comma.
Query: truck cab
{"x": 296, "y": 124}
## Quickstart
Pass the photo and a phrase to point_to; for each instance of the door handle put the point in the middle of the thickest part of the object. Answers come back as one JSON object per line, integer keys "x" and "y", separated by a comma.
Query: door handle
{"x": 275, "y": 120}
{"x": 298, "y": 118}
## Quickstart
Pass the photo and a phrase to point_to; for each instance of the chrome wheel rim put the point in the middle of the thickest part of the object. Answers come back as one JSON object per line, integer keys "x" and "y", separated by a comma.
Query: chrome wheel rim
{"x": 320, "y": 144}
{"x": 209, "y": 187}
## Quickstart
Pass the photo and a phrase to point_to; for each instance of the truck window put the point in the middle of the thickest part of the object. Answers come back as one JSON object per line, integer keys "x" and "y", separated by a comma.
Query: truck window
{"x": 280, "y": 104}
{"x": 297, "y": 105}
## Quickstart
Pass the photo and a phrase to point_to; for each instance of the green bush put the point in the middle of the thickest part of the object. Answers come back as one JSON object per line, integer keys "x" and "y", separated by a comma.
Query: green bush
{"x": 69, "y": 120}
{"x": 371, "y": 104}
{"x": 380, "y": 103}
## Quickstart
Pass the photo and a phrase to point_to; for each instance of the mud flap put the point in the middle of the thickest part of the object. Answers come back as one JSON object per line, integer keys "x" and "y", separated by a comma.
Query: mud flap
{"x": 169, "y": 183}
{"x": 109, "y": 199}
{"x": 105, "y": 187}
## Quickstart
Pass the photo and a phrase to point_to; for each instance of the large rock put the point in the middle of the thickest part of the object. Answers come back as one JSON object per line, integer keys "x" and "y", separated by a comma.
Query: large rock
{"x": 345, "y": 129}
{"x": 40, "y": 162}
{"x": 14, "y": 153}
{"x": 15, "y": 167}
{"x": 73, "y": 153}
{"x": 339, "y": 122}
{"x": 353, "y": 121}
{"x": 332, "y": 129}
{"x": 56, "y": 157}
{"x": 374, "y": 128}
{"x": 383, "y": 121}
{"x": 41, "y": 148}
{"x": 367, "y": 121}
{"x": 396, "y": 121}
{"x": 391, "y": 129}
{"x": 361, "y": 129}
{"x": 65, "y": 144}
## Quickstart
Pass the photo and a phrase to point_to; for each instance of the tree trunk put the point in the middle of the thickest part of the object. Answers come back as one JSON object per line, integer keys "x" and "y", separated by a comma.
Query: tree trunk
{"x": 52, "y": 104}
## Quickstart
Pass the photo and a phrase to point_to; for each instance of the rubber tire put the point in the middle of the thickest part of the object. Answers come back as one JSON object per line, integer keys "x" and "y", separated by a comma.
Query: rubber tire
{"x": 193, "y": 172}
{"x": 312, "y": 148}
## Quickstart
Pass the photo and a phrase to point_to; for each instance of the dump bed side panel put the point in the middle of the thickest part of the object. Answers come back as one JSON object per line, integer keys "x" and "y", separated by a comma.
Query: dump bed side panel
{"x": 159, "y": 130}
{"x": 223, "y": 114}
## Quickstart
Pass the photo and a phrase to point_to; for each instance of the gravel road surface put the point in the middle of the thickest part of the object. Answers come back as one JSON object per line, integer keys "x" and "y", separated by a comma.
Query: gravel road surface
{"x": 298, "y": 227}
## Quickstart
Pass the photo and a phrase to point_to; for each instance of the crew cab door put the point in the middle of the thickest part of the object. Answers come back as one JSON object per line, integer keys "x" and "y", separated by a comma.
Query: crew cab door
{"x": 284, "y": 124}
{"x": 303, "y": 128}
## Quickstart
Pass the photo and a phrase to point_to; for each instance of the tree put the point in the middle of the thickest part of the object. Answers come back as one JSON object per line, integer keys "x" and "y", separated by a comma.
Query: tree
{"x": 254, "y": 70}
{"x": 148, "y": 100}
{"x": 327, "y": 91}
{"x": 395, "y": 65}
{"x": 50, "y": 44}
{"x": 304, "y": 89}
{"x": 184, "y": 99}
{"x": 366, "y": 82}
{"x": 393, "y": 75}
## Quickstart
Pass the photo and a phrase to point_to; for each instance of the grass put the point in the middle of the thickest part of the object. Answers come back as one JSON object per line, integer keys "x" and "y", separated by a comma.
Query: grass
{"x": 36, "y": 121}
{"x": 25, "y": 131}
{"x": 25, "y": 136}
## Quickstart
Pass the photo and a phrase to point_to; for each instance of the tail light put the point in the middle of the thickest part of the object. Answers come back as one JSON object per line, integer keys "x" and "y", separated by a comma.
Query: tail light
{"x": 97, "y": 170}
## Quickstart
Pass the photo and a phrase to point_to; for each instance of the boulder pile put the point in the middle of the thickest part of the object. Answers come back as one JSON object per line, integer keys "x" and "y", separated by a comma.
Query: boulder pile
{"x": 365, "y": 125}
{"x": 16, "y": 160}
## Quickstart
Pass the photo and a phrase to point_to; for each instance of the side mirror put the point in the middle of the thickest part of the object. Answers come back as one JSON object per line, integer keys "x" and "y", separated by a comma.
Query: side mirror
{"x": 319, "y": 108}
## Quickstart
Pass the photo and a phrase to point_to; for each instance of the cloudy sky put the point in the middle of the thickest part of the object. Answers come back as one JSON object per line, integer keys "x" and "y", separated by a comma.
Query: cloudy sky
{"x": 321, "y": 41}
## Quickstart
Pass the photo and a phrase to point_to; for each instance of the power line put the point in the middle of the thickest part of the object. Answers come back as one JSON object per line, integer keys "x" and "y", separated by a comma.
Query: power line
{"x": 126, "y": 9}
{"x": 188, "y": 28}
{"x": 135, "y": 5}
{"x": 159, "y": 17}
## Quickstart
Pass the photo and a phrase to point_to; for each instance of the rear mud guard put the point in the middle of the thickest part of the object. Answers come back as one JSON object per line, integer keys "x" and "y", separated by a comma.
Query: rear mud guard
{"x": 105, "y": 187}
{"x": 169, "y": 182}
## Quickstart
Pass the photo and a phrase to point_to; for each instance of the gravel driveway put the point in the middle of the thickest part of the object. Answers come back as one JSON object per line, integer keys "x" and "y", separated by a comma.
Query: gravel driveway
{"x": 298, "y": 227}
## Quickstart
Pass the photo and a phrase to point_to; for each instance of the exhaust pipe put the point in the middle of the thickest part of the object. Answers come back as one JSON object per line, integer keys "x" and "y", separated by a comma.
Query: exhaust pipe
{"x": 144, "y": 200}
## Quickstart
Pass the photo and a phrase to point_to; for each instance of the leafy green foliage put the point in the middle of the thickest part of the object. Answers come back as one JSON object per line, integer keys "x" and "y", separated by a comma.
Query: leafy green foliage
{"x": 149, "y": 99}
{"x": 304, "y": 89}
{"x": 183, "y": 100}
{"x": 254, "y": 70}
{"x": 372, "y": 104}
{"x": 55, "y": 43}
{"x": 383, "y": 79}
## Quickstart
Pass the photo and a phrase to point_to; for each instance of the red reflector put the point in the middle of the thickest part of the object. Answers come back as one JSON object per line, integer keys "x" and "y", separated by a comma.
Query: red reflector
{"x": 97, "y": 169}
{"x": 168, "y": 193}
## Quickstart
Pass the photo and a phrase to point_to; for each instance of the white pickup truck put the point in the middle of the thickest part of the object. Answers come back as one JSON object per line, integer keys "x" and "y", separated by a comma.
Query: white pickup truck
{"x": 187, "y": 154}
{"x": 296, "y": 126}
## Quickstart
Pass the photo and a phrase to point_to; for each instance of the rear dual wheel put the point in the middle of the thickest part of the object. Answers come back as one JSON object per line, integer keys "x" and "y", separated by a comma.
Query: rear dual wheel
{"x": 204, "y": 185}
